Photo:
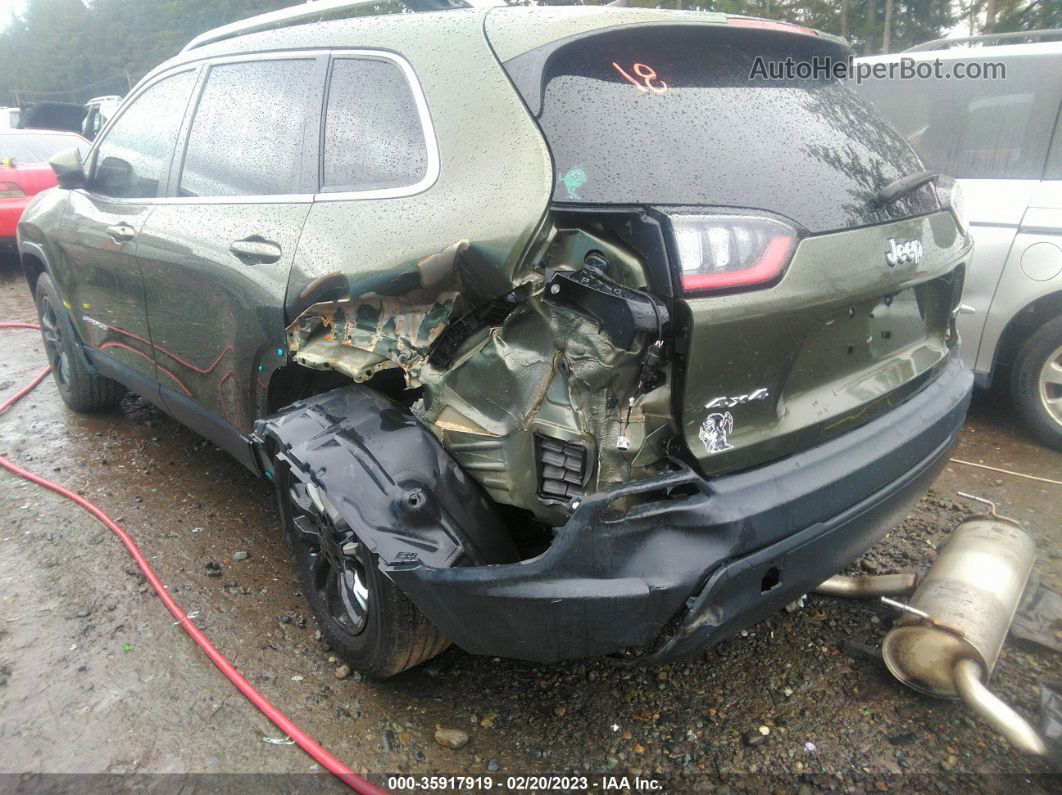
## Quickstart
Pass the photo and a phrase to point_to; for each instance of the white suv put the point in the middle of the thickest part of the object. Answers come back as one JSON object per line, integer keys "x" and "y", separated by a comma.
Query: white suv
{"x": 1001, "y": 137}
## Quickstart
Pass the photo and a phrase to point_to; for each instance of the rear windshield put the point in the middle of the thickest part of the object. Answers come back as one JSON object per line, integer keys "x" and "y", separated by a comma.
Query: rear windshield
{"x": 28, "y": 148}
{"x": 670, "y": 115}
{"x": 998, "y": 126}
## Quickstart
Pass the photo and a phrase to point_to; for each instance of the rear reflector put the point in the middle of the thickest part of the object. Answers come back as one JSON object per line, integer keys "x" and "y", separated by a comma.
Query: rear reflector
{"x": 9, "y": 190}
{"x": 722, "y": 252}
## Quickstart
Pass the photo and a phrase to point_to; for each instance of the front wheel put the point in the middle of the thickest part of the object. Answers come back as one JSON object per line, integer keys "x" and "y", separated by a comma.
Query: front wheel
{"x": 1037, "y": 382}
{"x": 80, "y": 390}
{"x": 362, "y": 614}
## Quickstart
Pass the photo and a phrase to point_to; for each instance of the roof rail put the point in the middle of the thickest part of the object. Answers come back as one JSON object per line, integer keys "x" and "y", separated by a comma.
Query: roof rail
{"x": 991, "y": 39}
{"x": 310, "y": 11}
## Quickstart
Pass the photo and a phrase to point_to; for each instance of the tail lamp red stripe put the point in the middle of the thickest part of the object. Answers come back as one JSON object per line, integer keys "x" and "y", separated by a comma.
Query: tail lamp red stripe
{"x": 767, "y": 268}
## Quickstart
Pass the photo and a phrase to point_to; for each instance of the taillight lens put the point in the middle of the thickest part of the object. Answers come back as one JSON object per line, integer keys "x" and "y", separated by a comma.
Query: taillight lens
{"x": 722, "y": 252}
{"x": 9, "y": 190}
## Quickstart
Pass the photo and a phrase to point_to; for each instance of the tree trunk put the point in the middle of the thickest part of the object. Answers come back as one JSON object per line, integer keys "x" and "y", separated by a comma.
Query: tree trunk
{"x": 868, "y": 45}
{"x": 886, "y": 37}
{"x": 844, "y": 18}
{"x": 990, "y": 16}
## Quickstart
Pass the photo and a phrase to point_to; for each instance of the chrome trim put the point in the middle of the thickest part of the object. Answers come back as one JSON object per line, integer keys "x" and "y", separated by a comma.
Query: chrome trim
{"x": 89, "y": 161}
{"x": 431, "y": 174}
{"x": 431, "y": 142}
{"x": 294, "y": 198}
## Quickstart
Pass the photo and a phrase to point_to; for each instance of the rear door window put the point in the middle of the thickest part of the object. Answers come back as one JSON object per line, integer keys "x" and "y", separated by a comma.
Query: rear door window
{"x": 247, "y": 134}
{"x": 133, "y": 158}
{"x": 373, "y": 136}
{"x": 983, "y": 128}
{"x": 672, "y": 115}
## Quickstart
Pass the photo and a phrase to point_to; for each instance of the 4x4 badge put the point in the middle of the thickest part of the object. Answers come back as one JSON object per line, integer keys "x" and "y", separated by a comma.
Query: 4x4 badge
{"x": 714, "y": 431}
{"x": 901, "y": 251}
{"x": 729, "y": 401}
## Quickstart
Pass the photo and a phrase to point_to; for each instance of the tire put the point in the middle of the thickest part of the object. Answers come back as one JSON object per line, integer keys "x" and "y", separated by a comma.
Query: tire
{"x": 381, "y": 636}
{"x": 1036, "y": 383}
{"x": 81, "y": 390}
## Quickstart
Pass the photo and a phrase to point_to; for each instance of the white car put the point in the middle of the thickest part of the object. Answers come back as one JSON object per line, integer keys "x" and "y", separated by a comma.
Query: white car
{"x": 9, "y": 118}
{"x": 98, "y": 112}
{"x": 1001, "y": 137}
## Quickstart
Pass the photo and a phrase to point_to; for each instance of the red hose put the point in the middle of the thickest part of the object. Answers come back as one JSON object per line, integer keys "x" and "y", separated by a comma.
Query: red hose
{"x": 307, "y": 743}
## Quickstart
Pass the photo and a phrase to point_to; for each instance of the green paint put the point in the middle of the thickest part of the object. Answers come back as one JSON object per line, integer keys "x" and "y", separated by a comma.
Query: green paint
{"x": 573, "y": 179}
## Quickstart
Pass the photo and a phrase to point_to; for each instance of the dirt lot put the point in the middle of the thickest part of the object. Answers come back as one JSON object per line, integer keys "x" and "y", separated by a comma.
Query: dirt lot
{"x": 95, "y": 677}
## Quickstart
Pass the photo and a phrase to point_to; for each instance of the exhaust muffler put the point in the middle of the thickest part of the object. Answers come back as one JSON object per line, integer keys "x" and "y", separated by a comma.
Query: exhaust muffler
{"x": 953, "y": 627}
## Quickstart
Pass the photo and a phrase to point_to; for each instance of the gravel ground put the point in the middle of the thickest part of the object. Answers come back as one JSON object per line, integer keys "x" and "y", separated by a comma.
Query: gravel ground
{"x": 95, "y": 678}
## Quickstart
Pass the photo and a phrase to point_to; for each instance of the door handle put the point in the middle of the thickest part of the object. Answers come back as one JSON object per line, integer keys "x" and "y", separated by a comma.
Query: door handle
{"x": 121, "y": 232}
{"x": 254, "y": 250}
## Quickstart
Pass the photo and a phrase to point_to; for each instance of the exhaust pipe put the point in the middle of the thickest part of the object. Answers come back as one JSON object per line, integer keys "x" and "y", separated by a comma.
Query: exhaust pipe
{"x": 875, "y": 585}
{"x": 950, "y": 637}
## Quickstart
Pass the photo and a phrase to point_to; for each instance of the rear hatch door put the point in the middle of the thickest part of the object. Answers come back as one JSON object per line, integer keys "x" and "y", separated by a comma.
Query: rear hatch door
{"x": 748, "y": 121}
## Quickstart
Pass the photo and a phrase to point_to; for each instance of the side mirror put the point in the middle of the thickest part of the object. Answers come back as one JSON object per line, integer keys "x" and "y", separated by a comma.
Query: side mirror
{"x": 69, "y": 169}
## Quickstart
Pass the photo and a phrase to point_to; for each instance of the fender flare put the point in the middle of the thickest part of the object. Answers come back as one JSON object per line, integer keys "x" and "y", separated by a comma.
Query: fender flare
{"x": 388, "y": 477}
{"x": 27, "y": 247}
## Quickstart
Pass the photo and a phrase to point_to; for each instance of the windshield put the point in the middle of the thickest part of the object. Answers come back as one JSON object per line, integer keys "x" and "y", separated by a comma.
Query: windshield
{"x": 671, "y": 115}
{"x": 977, "y": 128}
{"x": 30, "y": 148}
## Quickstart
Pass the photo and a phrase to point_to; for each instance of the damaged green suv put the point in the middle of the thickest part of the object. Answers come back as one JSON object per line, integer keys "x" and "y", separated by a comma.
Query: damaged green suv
{"x": 559, "y": 331}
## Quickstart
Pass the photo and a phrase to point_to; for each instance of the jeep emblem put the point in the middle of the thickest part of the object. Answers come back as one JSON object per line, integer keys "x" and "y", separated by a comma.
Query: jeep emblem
{"x": 901, "y": 251}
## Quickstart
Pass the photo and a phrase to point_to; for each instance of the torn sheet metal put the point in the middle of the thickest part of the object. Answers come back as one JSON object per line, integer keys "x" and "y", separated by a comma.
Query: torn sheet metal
{"x": 547, "y": 370}
{"x": 389, "y": 319}
{"x": 530, "y": 363}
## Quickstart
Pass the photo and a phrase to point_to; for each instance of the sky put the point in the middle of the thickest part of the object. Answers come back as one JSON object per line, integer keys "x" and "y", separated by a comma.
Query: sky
{"x": 6, "y": 7}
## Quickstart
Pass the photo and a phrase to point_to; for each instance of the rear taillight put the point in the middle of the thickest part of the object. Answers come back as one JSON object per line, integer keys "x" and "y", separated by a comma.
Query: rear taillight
{"x": 723, "y": 252}
{"x": 9, "y": 190}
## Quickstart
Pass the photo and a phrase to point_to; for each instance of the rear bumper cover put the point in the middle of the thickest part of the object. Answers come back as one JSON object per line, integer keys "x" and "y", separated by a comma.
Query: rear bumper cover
{"x": 701, "y": 559}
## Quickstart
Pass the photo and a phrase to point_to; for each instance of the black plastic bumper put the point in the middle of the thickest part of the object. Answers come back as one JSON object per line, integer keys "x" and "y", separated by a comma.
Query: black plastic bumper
{"x": 717, "y": 555}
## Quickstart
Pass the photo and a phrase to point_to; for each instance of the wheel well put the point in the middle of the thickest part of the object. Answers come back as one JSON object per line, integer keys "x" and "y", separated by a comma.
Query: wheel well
{"x": 32, "y": 268}
{"x": 296, "y": 382}
{"x": 1023, "y": 325}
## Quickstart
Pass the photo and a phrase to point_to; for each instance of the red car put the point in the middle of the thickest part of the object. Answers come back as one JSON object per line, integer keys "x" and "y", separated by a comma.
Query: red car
{"x": 24, "y": 172}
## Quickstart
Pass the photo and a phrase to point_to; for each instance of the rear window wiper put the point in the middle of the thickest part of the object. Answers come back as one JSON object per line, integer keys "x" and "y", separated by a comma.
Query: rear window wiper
{"x": 902, "y": 186}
